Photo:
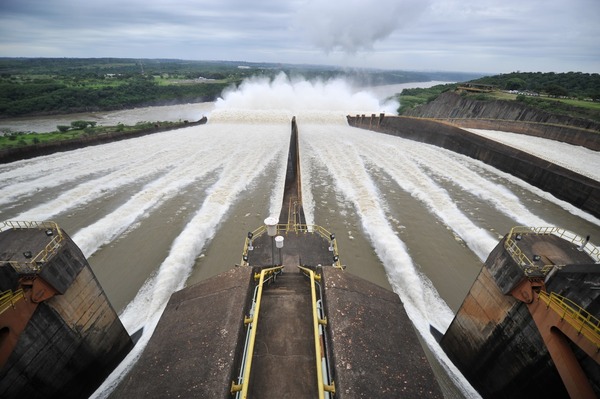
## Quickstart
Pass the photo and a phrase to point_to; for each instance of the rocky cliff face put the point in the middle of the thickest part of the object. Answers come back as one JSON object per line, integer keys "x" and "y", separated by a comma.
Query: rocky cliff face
{"x": 451, "y": 105}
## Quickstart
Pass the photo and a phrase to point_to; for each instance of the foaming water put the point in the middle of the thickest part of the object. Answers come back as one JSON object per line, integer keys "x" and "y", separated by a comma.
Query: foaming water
{"x": 298, "y": 97}
{"x": 346, "y": 153}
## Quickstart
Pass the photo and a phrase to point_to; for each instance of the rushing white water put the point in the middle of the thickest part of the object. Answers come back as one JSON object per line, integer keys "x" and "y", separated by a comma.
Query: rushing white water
{"x": 345, "y": 151}
{"x": 576, "y": 158}
{"x": 247, "y": 135}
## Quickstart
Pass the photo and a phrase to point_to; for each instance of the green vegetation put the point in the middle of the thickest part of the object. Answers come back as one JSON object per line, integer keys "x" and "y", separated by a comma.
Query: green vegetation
{"x": 576, "y": 95}
{"x": 37, "y": 86}
{"x": 76, "y": 130}
{"x": 410, "y": 98}
{"x": 572, "y": 84}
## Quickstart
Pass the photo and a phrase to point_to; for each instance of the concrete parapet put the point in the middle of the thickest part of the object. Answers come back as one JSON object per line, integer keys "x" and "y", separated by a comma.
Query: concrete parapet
{"x": 193, "y": 350}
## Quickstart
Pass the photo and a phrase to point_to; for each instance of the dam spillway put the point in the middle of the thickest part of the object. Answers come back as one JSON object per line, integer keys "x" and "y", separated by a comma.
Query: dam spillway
{"x": 183, "y": 145}
{"x": 349, "y": 358}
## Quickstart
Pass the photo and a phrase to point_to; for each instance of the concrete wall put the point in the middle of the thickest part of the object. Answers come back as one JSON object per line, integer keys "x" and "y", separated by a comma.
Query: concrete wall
{"x": 565, "y": 184}
{"x": 72, "y": 341}
{"x": 453, "y": 106}
{"x": 494, "y": 341}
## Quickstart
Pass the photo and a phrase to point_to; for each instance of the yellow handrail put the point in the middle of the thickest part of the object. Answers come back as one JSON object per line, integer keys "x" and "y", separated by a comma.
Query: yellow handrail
{"x": 284, "y": 228}
{"x": 529, "y": 267}
{"x": 584, "y": 322}
{"x": 316, "y": 321}
{"x": 34, "y": 264}
{"x": 253, "y": 321}
{"x": 8, "y": 299}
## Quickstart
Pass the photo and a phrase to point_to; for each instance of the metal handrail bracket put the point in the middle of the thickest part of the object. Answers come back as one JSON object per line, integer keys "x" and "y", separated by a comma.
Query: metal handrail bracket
{"x": 317, "y": 321}
{"x": 241, "y": 388}
{"x": 584, "y": 322}
{"x": 527, "y": 264}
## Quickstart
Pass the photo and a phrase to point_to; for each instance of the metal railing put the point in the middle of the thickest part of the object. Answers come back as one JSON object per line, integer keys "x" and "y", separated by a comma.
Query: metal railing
{"x": 583, "y": 321}
{"x": 325, "y": 385}
{"x": 512, "y": 246}
{"x": 35, "y": 263}
{"x": 296, "y": 228}
{"x": 240, "y": 389}
{"x": 9, "y": 298}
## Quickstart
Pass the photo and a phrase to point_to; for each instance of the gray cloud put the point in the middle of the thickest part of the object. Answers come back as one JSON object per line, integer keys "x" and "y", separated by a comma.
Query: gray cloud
{"x": 355, "y": 25}
{"x": 468, "y": 35}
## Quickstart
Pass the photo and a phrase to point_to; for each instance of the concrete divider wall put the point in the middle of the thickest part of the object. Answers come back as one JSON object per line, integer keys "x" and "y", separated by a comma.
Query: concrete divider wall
{"x": 454, "y": 106}
{"x": 72, "y": 341}
{"x": 563, "y": 183}
{"x": 566, "y": 134}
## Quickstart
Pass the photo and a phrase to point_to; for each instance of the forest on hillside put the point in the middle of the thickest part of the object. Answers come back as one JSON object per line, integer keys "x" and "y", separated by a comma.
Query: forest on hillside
{"x": 571, "y": 84}
{"x": 37, "y": 86}
{"x": 576, "y": 95}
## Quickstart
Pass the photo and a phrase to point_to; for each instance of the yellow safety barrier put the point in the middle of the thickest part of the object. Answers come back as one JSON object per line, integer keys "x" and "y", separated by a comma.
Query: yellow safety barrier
{"x": 34, "y": 264}
{"x": 322, "y": 387}
{"x": 297, "y": 228}
{"x": 584, "y": 322}
{"x": 512, "y": 246}
{"x": 8, "y": 299}
{"x": 241, "y": 389}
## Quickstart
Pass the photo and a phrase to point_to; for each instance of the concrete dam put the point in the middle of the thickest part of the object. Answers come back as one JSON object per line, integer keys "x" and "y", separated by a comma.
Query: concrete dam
{"x": 290, "y": 310}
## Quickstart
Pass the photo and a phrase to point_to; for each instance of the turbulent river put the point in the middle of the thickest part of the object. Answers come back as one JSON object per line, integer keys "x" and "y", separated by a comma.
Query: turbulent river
{"x": 157, "y": 213}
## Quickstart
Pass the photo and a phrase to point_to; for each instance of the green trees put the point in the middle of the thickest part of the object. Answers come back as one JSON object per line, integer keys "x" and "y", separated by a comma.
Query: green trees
{"x": 570, "y": 84}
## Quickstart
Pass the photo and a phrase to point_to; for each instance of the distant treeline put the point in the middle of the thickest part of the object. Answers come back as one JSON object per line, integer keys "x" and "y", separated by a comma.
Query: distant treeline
{"x": 35, "y": 86}
{"x": 571, "y": 84}
{"x": 46, "y": 96}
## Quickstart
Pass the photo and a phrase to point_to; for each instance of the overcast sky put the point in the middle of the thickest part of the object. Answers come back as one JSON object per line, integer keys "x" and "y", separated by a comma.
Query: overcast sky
{"x": 490, "y": 36}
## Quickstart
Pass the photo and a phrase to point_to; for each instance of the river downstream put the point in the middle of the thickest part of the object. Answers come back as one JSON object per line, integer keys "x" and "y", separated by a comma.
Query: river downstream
{"x": 160, "y": 212}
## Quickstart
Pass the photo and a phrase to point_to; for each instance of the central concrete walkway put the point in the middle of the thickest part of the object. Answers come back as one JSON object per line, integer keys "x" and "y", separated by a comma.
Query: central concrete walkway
{"x": 284, "y": 352}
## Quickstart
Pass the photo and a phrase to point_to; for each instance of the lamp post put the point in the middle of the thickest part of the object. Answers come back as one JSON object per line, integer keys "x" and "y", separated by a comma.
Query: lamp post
{"x": 279, "y": 245}
{"x": 271, "y": 224}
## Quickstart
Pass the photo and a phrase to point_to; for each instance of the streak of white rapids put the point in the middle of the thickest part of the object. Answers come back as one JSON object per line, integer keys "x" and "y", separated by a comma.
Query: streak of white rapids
{"x": 346, "y": 151}
{"x": 240, "y": 152}
{"x": 233, "y": 145}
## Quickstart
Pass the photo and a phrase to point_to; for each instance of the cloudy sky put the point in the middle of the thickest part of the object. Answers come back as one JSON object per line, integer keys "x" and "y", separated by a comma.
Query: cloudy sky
{"x": 491, "y": 36}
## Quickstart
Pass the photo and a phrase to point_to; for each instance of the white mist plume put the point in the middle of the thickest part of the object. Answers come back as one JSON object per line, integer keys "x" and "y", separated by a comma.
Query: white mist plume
{"x": 299, "y": 96}
{"x": 354, "y": 25}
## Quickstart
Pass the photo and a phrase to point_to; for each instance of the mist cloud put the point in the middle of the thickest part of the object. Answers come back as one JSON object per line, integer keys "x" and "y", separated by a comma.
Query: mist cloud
{"x": 298, "y": 96}
{"x": 354, "y": 25}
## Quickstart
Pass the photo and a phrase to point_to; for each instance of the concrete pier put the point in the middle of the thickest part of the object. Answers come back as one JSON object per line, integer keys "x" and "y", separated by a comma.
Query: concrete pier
{"x": 59, "y": 335}
{"x": 511, "y": 340}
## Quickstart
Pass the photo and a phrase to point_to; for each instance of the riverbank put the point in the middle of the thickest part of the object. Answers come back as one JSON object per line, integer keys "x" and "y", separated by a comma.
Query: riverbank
{"x": 106, "y": 136}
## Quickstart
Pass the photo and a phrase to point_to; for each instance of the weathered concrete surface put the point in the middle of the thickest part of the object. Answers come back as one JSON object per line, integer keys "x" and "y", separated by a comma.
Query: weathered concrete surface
{"x": 284, "y": 353}
{"x": 493, "y": 339}
{"x": 193, "y": 350}
{"x": 310, "y": 248}
{"x": 376, "y": 351}
{"x": 73, "y": 339}
{"x": 565, "y": 184}
{"x": 565, "y": 134}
